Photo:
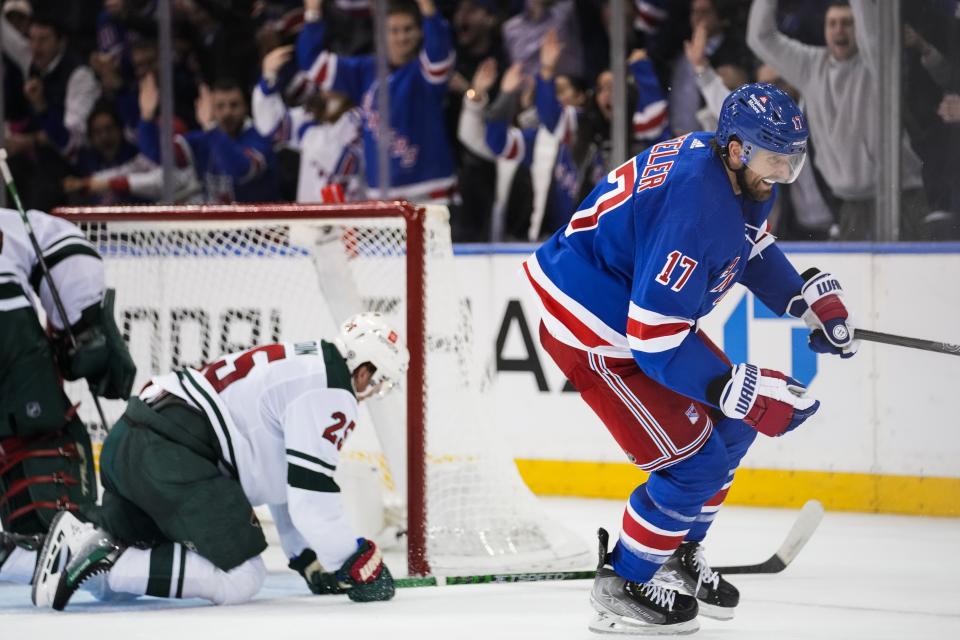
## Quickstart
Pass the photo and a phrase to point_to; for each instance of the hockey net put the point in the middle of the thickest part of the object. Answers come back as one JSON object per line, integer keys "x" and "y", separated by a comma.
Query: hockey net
{"x": 195, "y": 282}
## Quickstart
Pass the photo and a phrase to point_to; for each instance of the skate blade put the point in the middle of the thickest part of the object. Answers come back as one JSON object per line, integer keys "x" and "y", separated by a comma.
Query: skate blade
{"x": 50, "y": 563}
{"x": 617, "y": 625}
{"x": 714, "y": 612}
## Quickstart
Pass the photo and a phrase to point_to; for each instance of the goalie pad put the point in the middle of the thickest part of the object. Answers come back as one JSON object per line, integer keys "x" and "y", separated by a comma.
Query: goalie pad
{"x": 41, "y": 475}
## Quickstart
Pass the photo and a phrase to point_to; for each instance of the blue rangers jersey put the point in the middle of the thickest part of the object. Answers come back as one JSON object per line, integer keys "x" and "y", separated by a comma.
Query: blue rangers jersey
{"x": 652, "y": 249}
{"x": 421, "y": 160}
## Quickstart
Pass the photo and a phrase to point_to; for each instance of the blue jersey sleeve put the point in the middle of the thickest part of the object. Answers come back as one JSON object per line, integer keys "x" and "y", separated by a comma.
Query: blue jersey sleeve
{"x": 310, "y": 43}
{"x": 772, "y": 278}
{"x": 670, "y": 281}
{"x": 650, "y": 117}
{"x": 510, "y": 143}
{"x": 436, "y": 55}
{"x": 326, "y": 70}
{"x": 549, "y": 108}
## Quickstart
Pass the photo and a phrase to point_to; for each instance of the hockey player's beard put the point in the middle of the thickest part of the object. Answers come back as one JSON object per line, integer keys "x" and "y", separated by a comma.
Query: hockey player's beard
{"x": 754, "y": 191}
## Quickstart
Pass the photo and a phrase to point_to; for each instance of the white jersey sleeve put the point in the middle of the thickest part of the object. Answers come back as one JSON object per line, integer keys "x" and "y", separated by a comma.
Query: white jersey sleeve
{"x": 315, "y": 426}
{"x": 74, "y": 263}
{"x": 290, "y": 539}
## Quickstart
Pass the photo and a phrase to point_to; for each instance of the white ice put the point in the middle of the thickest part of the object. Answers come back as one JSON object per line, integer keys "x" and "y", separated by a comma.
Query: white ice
{"x": 868, "y": 577}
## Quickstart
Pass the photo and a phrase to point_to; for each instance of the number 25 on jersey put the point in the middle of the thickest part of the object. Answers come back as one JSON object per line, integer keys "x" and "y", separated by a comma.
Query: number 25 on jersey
{"x": 337, "y": 432}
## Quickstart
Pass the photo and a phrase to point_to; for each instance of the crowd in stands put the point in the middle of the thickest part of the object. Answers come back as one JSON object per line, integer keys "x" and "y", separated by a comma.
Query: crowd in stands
{"x": 500, "y": 109}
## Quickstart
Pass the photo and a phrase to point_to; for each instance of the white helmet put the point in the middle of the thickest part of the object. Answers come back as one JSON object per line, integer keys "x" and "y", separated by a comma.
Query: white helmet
{"x": 366, "y": 337}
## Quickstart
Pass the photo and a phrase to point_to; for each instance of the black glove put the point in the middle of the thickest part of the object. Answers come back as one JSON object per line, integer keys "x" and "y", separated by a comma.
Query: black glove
{"x": 363, "y": 577}
{"x": 319, "y": 582}
{"x": 101, "y": 355}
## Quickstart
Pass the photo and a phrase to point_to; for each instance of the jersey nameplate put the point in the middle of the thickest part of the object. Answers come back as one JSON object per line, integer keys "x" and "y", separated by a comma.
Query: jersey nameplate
{"x": 658, "y": 163}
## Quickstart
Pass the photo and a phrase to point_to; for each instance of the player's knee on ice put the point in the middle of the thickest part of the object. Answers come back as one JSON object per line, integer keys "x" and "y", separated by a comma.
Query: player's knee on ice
{"x": 239, "y": 584}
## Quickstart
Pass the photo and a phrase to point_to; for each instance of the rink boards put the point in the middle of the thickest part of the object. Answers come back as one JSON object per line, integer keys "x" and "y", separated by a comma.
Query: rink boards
{"x": 887, "y": 437}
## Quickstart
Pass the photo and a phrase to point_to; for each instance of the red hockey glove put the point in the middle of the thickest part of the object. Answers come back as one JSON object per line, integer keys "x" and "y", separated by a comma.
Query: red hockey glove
{"x": 368, "y": 578}
{"x": 363, "y": 577}
{"x": 767, "y": 400}
{"x": 827, "y": 315}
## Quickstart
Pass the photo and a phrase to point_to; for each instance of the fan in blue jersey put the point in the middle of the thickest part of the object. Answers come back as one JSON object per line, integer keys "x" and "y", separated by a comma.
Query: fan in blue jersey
{"x": 651, "y": 250}
{"x": 421, "y": 58}
{"x": 232, "y": 160}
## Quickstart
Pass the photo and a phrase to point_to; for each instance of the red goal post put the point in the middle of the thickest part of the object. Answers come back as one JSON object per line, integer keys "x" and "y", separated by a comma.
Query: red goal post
{"x": 414, "y": 219}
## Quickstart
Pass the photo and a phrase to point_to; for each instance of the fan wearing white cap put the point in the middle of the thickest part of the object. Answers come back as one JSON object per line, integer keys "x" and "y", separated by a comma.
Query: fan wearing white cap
{"x": 199, "y": 448}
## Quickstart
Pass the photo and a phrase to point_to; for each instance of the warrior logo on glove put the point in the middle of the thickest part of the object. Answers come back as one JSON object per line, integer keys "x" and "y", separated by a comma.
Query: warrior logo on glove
{"x": 820, "y": 304}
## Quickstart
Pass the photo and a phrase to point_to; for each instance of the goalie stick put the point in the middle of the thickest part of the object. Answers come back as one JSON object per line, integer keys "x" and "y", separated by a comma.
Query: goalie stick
{"x": 54, "y": 292}
{"x": 800, "y": 533}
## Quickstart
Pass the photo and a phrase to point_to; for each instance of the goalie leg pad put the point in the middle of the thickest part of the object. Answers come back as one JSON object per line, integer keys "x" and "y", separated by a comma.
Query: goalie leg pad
{"x": 41, "y": 475}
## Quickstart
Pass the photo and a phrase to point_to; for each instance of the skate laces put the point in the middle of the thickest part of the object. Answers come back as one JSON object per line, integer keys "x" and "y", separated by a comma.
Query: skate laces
{"x": 705, "y": 575}
{"x": 661, "y": 596}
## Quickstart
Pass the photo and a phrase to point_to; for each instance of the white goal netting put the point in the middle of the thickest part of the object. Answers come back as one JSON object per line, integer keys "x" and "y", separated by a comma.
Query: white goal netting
{"x": 187, "y": 291}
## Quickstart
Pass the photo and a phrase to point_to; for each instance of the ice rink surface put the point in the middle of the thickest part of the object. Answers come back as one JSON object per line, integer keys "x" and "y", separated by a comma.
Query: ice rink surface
{"x": 863, "y": 577}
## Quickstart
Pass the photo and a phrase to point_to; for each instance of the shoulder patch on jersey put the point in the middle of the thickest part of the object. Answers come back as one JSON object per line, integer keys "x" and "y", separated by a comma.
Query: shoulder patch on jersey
{"x": 338, "y": 375}
{"x": 696, "y": 144}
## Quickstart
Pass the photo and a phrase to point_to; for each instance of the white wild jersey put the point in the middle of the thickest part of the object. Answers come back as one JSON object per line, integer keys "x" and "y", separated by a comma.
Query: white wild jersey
{"x": 281, "y": 413}
{"x": 73, "y": 262}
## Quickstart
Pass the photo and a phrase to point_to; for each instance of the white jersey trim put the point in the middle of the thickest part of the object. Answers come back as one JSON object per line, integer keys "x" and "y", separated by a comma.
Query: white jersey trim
{"x": 650, "y": 319}
{"x": 206, "y": 399}
{"x": 618, "y": 344}
{"x": 19, "y": 302}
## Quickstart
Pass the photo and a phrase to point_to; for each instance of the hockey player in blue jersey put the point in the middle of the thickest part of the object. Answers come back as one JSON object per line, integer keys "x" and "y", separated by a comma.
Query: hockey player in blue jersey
{"x": 650, "y": 251}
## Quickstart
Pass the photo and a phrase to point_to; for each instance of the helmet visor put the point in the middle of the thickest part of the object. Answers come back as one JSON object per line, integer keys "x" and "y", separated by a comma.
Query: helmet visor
{"x": 772, "y": 166}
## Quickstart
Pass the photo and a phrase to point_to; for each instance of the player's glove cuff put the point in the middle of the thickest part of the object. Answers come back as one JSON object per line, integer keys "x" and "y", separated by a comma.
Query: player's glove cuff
{"x": 767, "y": 400}
{"x": 820, "y": 303}
{"x": 319, "y": 581}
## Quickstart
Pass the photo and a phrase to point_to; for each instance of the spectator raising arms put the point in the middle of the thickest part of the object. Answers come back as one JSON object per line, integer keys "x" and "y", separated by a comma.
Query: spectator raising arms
{"x": 421, "y": 57}
{"x": 232, "y": 160}
{"x": 326, "y": 131}
{"x": 840, "y": 88}
{"x": 561, "y": 105}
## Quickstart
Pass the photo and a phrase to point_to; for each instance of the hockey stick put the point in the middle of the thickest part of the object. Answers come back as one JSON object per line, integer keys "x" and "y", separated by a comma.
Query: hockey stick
{"x": 55, "y": 294}
{"x": 499, "y": 578}
{"x": 903, "y": 341}
{"x": 806, "y": 523}
{"x": 800, "y": 533}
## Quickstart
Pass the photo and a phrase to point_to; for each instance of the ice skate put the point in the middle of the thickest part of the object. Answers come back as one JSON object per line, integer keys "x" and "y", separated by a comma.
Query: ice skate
{"x": 631, "y": 608}
{"x": 73, "y": 552}
{"x": 718, "y": 598}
